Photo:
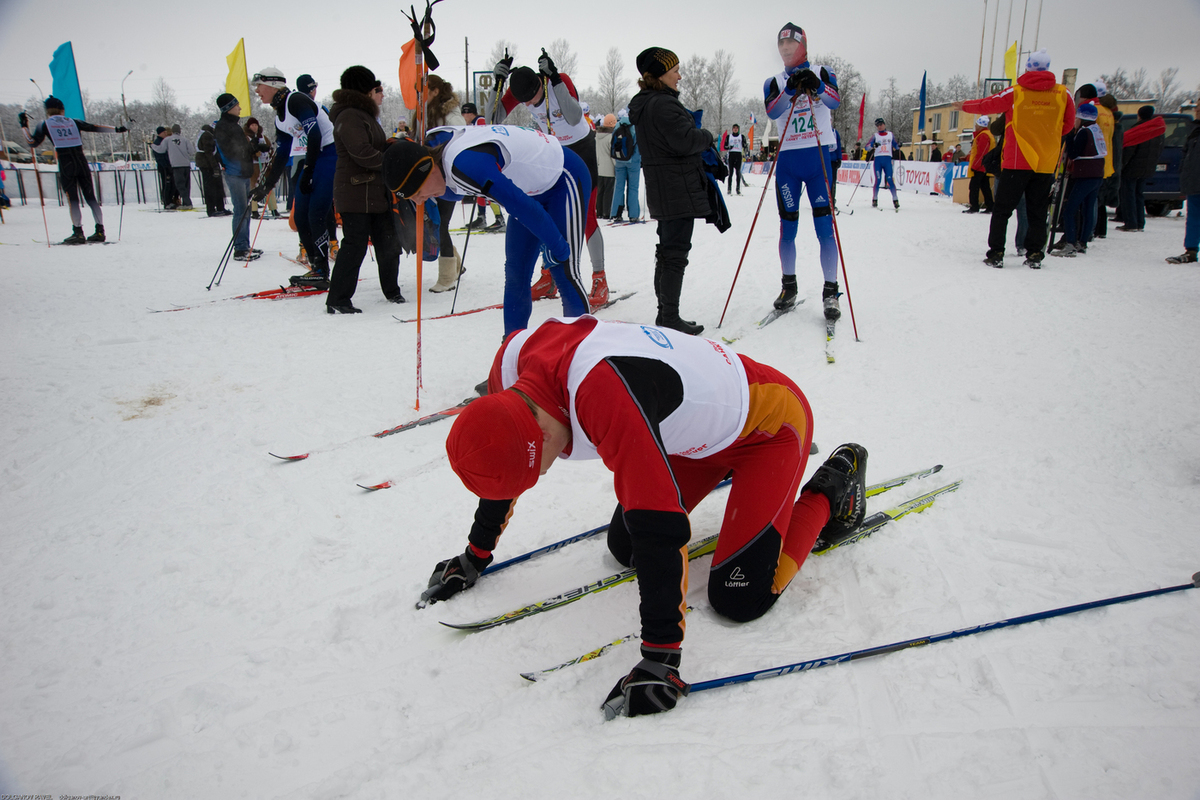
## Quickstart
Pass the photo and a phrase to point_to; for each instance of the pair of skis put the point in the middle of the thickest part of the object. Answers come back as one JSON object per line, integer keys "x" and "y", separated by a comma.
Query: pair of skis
{"x": 611, "y": 302}
{"x": 695, "y": 550}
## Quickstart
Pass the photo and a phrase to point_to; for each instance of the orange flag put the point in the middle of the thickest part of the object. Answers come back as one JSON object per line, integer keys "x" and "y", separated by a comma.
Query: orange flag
{"x": 408, "y": 73}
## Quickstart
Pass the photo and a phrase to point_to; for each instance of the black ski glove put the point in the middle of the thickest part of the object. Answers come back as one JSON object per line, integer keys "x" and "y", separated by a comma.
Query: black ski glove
{"x": 651, "y": 687}
{"x": 806, "y": 80}
{"x": 502, "y": 68}
{"x": 547, "y": 68}
{"x": 23, "y": 119}
{"x": 306, "y": 179}
{"x": 121, "y": 129}
{"x": 453, "y": 576}
{"x": 259, "y": 193}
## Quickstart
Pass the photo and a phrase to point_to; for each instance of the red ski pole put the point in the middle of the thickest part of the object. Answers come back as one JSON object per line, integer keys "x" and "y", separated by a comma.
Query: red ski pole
{"x": 837, "y": 237}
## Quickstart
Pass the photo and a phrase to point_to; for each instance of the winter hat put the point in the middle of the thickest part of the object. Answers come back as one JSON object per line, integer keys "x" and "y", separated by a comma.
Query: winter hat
{"x": 469, "y": 108}
{"x": 305, "y": 83}
{"x": 160, "y": 129}
{"x": 1038, "y": 60}
{"x": 226, "y": 102}
{"x": 880, "y": 121}
{"x": 1101, "y": 88}
{"x": 176, "y": 129}
{"x": 1087, "y": 92}
{"x": 54, "y": 102}
{"x": 359, "y": 79}
{"x": 658, "y": 61}
{"x": 1146, "y": 113}
{"x": 792, "y": 31}
{"x": 1087, "y": 112}
{"x": 524, "y": 84}
{"x": 495, "y": 446}
{"x": 609, "y": 121}
{"x": 736, "y": 127}
{"x": 269, "y": 76}
{"x": 983, "y": 121}
{"x": 406, "y": 166}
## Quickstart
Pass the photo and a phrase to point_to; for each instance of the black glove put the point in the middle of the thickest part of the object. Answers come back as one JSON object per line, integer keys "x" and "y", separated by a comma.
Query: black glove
{"x": 652, "y": 686}
{"x": 121, "y": 129}
{"x": 452, "y": 576}
{"x": 502, "y": 68}
{"x": 23, "y": 119}
{"x": 259, "y": 193}
{"x": 306, "y": 179}
{"x": 805, "y": 80}
{"x": 547, "y": 68}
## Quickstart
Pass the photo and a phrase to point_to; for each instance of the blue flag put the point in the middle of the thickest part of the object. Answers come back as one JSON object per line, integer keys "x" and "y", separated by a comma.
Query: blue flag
{"x": 921, "y": 119}
{"x": 66, "y": 81}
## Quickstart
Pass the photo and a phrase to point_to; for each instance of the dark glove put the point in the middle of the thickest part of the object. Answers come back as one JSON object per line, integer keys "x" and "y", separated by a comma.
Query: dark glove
{"x": 23, "y": 119}
{"x": 652, "y": 686}
{"x": 306, "y": 179}
{"x": 502, "y": 68}
{"x": 805, "y": 80}
{"x": 259, "y": 193}
{"x": 452, "y": 576}
{"x": 121, "y": 129}
{"x": 547, "y": 68}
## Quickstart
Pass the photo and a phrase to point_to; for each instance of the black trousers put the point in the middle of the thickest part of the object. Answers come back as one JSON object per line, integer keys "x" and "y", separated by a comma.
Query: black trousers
{"x": 735, "y": 168}
{"x": 214, "y": 192}
{"x": 980, "y": 182}
{"x": 357, "y": 228}
{"x": 1035, "y": 188}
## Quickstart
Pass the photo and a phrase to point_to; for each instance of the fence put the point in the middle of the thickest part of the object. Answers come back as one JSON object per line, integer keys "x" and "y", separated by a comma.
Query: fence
{"x": 135, "y": 182}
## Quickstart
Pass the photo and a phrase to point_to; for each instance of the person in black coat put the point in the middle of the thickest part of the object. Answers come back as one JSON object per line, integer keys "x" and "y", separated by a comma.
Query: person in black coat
{"x": 209, "y": 165}
{"x": 1142, "y": 146}
{"x": 671, "y": 147}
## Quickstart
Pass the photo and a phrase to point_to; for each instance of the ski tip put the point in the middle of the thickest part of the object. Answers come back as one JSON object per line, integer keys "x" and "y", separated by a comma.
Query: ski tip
{"x": 377, "y": 486}
{"x": 299, "y": 457}
{"x": 1196, "y": 580}
{"x": 532, "y": 676}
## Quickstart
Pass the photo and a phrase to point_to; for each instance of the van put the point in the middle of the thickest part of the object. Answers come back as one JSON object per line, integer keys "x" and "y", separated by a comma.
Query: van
{"x": 1162, "y": 188}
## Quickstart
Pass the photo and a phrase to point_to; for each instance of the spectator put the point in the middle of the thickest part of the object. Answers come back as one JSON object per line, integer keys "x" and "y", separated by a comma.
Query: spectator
{"x": 604, "y": 166}
{"x": 237, "y": 157}
{"x": 261, "y": 146}
{"x": 935, "y": 154}
{"x": 209, "y": 165}
{"x": 179, "y": 153}
{"x": 363, "y": 201}
{"x": 981, "y": 145}
{"x": 1189, "y": 186}
{"x": 1085, "y": 153}
{"x": 1039, "y": 113}
{"x": 676, "y": 183}
{"x": 858, "y": 152}
{"x": 993, "y": 161}
{"x": 166, "y": 181}
{"x": 1143, "y": 145}
{"x": 959, "y": 155}
{"x": 441, "y": 110}
{"x": 1110, "y": 190}
{"x": 627, "y": 168}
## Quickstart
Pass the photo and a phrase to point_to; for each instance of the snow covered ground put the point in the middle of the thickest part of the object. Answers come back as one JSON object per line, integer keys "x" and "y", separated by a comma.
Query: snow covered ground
{"x": 187, "y": 617}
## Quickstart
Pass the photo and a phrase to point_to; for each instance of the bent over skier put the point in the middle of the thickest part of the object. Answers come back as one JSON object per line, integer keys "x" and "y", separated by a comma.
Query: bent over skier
{"x": 671, "y": 415}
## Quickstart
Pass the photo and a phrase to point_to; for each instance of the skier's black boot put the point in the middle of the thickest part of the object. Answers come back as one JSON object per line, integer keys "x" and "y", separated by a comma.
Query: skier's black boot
{"x": 843, "y": 480}
{"x": 76, "y": 236}
{"x": 787, "y": 298}
{"x": 829, "y": 297}
{"x": 98, "y": 236}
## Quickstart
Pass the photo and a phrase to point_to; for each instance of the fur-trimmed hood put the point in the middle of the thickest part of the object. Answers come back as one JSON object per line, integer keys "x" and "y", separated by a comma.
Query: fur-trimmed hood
{"x": 344, "y": 99}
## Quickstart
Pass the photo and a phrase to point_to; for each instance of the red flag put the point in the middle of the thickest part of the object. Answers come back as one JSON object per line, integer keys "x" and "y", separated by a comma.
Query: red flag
{"x": 408, "y": 73}
{"x": 862, "y": 108}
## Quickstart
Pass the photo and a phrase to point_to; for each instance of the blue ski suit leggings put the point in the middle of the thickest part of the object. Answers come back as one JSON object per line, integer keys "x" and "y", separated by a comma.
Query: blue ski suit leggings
{"x": 797, "y": 169}
{"x": 313, "y": 209}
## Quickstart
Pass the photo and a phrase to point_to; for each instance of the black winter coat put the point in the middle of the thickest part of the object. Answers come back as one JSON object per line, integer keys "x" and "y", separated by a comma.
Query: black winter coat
{"x": 671, "y": 147}
{"x": 358, "y": 180}
{"x": 1189, "y": 165}
{"x": 233, "y": 147}
{"x": 1141, "y": 160}
{"x": 206, "y": 152}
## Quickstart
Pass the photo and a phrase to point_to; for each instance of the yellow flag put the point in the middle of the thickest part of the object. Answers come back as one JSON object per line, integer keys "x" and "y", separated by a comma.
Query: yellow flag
{"x": 238, "y": 82}
{"x": 1010, "y": 64}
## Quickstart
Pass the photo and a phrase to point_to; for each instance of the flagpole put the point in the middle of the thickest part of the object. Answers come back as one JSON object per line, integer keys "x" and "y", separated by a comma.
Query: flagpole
{"x": 982, "y": 37}
{"x": 995, "y": 27}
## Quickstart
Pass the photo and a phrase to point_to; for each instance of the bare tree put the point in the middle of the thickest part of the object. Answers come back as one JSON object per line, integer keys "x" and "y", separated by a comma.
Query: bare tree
{"x": 613, "y": 89}
{"x": 565, "y": 59}
{"x": 891, "y": 105}
{"x": 851, "y": 87}
{"x": 724, "y": 84}
{"x": 163, "y": 101}
{"x": 695, "y": 90}
{"x": 1168, "y": 94}
{"x": 958, "y": 88}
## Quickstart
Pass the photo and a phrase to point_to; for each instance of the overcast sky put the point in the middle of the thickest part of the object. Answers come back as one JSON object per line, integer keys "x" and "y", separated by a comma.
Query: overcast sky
{"x": 186, "y": 43}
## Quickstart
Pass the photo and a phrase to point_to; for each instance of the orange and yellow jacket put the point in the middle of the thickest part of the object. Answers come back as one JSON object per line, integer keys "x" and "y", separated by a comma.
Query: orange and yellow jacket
{"x": 1039, "y": 112}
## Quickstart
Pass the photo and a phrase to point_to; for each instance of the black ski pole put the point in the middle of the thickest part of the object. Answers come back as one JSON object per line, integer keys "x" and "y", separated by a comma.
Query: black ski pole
{"x": 228, "y": 250}
{"x": 463, "y": 259}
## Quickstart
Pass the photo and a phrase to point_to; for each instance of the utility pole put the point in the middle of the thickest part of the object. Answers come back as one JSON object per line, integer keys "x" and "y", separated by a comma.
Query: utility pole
{"x": 982, "y": 37}
{"x": 466, "y": 92}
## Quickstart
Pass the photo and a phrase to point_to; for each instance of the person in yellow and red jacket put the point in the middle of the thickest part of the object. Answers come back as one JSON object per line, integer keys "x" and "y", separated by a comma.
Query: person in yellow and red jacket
{"x": 1039, "y": 113}
{"x": 980, "y": 182}
{"x": 670, "y": 414}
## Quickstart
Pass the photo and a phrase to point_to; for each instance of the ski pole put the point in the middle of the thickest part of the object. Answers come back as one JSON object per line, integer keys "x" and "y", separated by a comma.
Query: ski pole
{"x": 761, "y": 197}
{"x": 37, "y": 175}
{"x": 228, "y": 250}
{"x": 860, "y": 177}
{"x": 837, "y": 237}
{"x": 907, "y": 644}
{"x": 463, "y": 259}
{"x": 546, "y": 100}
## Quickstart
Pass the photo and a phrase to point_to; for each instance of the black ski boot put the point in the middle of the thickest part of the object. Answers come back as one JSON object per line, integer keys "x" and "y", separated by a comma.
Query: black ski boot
{"x": 314, "y": 279}
{"x": 1034, "y": 259}
{"x": 98, "y": 236}
{"x": 76, "y": 236}
{"x": 787, "y": 298}
{"x": 829, "y": 296}
{"x": 994, "y": 258}
{"x": 1189, "y": 257}
{"x": 843, "y": 480}
{"x": 896, "y": 203}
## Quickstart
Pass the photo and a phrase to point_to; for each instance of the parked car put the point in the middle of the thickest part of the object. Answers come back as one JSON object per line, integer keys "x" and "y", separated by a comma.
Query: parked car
{"x": 1162, "y": 188}
{"x": 16, "y": 152}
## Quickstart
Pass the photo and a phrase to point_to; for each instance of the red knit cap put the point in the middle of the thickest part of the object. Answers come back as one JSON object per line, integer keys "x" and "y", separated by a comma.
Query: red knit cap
{"x": 495, "y": 446}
